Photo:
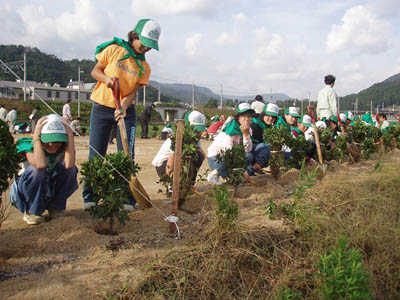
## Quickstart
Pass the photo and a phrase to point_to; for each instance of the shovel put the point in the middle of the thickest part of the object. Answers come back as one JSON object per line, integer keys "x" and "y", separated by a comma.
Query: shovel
{"x": 324, "y": 167}
{"x": 136, "y": 188}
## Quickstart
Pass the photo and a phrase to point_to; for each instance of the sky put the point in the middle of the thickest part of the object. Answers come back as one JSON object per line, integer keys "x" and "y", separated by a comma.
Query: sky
{"x": 248, "y": 46}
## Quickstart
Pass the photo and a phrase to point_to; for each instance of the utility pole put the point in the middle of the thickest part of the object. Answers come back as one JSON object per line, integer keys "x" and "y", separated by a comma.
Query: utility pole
{"x": 79, "y": 90}
{"x": 309, "y": 98}
{"x": 24, "y": 77}
{"x": 338, "y": 104}
{"x": 302, "y": 100}
{"x": 371, "y": 106}
{"x": 193, "y": 94}
{"x": 144, "y": 95}
{"x": 222, "y": 86}
{"x": 270, "y": 91}
{"x": 357, "y": 105}
{"x": 159, "y": 94}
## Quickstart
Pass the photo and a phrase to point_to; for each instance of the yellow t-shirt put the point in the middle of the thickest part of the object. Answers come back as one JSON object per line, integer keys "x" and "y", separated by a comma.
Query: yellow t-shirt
{"x": 126, "y": 70}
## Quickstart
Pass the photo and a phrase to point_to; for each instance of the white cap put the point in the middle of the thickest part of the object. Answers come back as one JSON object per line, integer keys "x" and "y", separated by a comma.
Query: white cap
{"x": 198, "y": 120}
{"x": 320, "y": 124}
{"x": 272, "y": 109}
{"x": 343, "y": 117}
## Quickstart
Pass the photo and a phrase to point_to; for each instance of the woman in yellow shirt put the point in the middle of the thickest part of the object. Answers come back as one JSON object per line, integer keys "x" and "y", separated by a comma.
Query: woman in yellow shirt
{"x": 124, "y": 60}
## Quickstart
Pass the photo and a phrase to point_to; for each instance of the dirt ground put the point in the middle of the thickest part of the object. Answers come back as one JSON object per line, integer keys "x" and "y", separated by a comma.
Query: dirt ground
{"x": 66, "y": 259}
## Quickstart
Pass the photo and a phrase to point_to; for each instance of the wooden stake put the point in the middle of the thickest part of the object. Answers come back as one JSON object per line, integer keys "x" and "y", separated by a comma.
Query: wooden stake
{"x": 177, "y": 173}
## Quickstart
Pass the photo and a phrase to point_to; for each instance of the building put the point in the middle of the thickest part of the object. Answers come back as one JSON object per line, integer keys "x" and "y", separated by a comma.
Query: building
{"x": 45, "y": 91}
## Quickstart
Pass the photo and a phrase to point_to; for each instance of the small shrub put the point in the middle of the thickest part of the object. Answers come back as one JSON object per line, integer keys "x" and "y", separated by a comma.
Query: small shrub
{"x": 227, "y": 210}
{"x": 276, "y": 138}
{"x": 110, "y": 190}
{"x": 341, "y": 274}
{"x": 235, "y": 165}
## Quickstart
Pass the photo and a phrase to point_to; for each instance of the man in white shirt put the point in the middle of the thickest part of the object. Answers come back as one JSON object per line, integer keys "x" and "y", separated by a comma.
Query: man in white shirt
{"x": 258, "y": 104}
{"x": 3, "y": 113}
{"x": 66, "y": 112}
{"x": 327, "y": 99}
{"x": 10, "y": 119}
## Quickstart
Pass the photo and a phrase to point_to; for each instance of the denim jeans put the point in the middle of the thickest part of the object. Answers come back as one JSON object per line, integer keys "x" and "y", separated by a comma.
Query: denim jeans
{"x": 215, "y": 164}
{"x": 101, "y": 122}
{"x": 259, "y": 154}
{"x": 37, "y": 190}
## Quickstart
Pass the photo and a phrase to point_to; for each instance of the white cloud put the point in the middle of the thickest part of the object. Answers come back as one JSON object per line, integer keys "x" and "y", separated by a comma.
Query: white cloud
{"x": 233, "y": 37}
{"x": 351, "y": 67}
{"x": 193, "y": 45}
{"x": 83, "y": 21}
{"x": 173, "y": 7}
{"x": 361, "y": 31}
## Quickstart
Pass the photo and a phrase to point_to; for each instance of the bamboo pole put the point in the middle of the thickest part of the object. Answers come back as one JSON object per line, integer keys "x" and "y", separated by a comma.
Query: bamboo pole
{"x": 177, "y": 173}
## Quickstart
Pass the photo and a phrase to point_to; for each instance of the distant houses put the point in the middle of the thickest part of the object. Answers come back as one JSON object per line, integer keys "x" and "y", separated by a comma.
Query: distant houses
{"x": 45, "y": 91}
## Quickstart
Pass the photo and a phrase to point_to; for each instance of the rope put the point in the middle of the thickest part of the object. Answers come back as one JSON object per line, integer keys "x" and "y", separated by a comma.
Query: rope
{"x": 170, "y": 218}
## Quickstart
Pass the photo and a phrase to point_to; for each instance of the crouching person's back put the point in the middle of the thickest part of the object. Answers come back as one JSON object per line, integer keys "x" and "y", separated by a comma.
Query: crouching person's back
{"x": 49, "y": 174}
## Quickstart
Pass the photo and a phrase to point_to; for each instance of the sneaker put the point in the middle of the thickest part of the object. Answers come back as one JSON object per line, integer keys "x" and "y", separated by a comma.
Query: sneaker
{"x": 128, "y": 207}
{"x": 33, "y": 219}
{"x": 88, "y": 205}
{"x": 214, "y": 179}
{"x": 55, "y": 213}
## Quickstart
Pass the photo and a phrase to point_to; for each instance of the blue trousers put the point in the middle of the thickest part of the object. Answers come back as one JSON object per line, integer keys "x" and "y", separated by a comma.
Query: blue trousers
{"x": 214, "y": 164}
{"x": 101, "y": 122}
{"x": 37, "y": 190}
{"x": 259, "y": 154}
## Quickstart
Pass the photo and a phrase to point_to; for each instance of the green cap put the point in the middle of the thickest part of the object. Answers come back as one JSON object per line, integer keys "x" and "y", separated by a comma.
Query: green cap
{"x": 243, "y": 107}
{"x": 149, "y": 32}
{"x": 334, "y": 119}
{"x": 293, "y": 111}
{"x": 306, "y": 121}
{"x": 53, "y": 130}
{"x": 271, "y": 110}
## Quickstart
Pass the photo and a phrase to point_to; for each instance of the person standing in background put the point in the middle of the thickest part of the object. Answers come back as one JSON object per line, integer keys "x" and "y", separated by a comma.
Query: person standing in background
{"x": 66, "y": 112}
{"x": 258, "y": 105}
{"x": 10, "y": 119}
{"x": 144, "y": 120}
{"x": 3, "y": 113}
{"x": 327, "y": 99}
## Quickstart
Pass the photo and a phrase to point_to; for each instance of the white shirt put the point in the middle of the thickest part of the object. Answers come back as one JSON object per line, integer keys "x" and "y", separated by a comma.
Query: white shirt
{"x": 3, "y": 113}
{"x": 327, "y": 102}
{"x": 258, "y": 106}
{"x": 67, "y": 112}
{"x": 163, "y": 153}
{"x": 11, "y": 116}
{"x": 309, "y": 134}
{"x": 225, "y": 142}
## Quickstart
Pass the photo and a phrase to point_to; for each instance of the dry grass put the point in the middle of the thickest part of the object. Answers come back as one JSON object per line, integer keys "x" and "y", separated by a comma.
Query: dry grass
{"x": 361, "y": 203}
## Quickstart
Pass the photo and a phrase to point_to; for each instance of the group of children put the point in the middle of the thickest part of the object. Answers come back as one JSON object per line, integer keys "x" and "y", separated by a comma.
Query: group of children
{"x": 247, "y": 127}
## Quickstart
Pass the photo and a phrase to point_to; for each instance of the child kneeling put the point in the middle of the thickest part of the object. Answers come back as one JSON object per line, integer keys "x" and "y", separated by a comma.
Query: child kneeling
{"x": 236, "y": 131}
{"x": 49, "y": 174}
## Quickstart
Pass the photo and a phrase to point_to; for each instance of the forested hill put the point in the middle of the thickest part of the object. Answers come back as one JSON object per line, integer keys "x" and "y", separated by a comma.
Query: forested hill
{"x": 386, "y": 92}
{"x": 42, "y": 67}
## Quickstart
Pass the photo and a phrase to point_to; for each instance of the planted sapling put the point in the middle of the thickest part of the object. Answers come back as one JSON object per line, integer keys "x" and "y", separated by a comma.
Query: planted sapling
{"x": 110, "y": 190}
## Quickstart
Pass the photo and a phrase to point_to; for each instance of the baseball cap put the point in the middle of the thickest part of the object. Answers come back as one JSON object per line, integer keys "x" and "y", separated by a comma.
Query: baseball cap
{"x": 306, "y": 120}
{"x": 334, "y": 119}
{"x": 243, "y": 107}
{"x": 349, "y": 115}
{"x": 198, "y": 120}
{"x": 53, "y": 130}
{"x": 149, "y": 32}
{"x": 271, "y": 110}
{"x": 343, "y": 117}
{"x": 293, "y": 111}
